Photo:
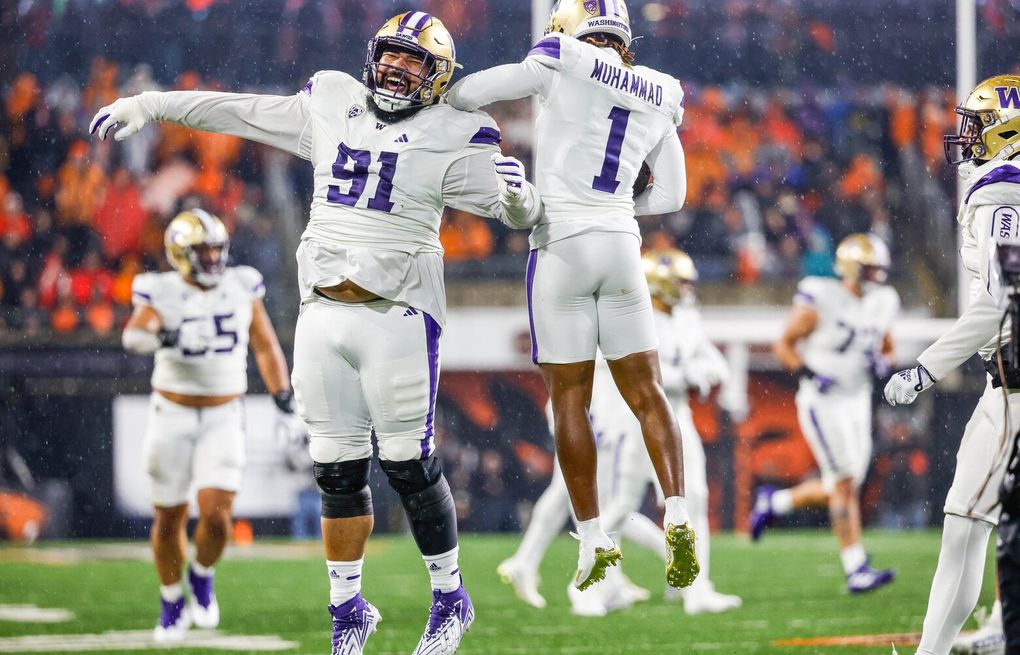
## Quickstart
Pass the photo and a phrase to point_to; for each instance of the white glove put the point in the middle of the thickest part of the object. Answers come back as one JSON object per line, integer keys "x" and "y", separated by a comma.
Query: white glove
{"x": 193, "y": 337}
{"x": 904, "y": 386}
{"x": 291, "y": 432}
{"x": 700, "y": 378}
{"x": 510, "y": 177}
{"x": 124, "y": 111}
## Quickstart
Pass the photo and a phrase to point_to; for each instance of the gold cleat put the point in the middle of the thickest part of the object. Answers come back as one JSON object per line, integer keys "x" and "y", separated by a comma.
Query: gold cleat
{"x": 604, "y": 558}
{"x": 682, "y": 565}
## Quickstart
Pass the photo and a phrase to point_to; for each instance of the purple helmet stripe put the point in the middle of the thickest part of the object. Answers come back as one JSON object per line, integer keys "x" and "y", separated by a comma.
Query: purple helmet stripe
{"x": 1002, "y": 174}
{"x": 547, "y": 47}
{"x": 432, "y": 334}
{"x": 602, "y": 8}
{"x": 821, "y": 439}
{"x": 487, "y": 135}
{"x": 530, "y": 280}
{"x": 420, "y": 25}
{"x": 406, "y": 17}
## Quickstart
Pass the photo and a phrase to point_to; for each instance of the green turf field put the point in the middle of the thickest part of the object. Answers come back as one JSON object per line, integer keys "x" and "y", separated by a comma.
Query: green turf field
{"x": 791, "y": 584}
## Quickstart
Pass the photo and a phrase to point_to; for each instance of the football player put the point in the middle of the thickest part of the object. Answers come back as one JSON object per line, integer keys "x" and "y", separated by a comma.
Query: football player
{"x": 688, "y": 361}
{"x": 386, "y": 157}
{"x": 601, "y": 119}
{"x": 989, "y": 142}
{"x": 198, "y": 322}
{"x": 837, "y": 339}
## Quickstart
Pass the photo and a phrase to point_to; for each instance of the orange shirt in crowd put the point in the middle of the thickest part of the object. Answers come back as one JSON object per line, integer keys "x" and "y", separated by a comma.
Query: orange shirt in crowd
{"x": 465, "y": 236}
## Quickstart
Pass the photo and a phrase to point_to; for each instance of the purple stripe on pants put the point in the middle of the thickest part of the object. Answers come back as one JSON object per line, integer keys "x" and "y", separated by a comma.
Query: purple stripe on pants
{"x": 821, "y": 438}
{"x": 432, "y": 334}
{"x": 532, "y": 261}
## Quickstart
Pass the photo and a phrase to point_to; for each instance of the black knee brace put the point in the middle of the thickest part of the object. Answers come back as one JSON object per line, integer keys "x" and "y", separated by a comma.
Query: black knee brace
{"x": 344, "y": 488}
{"x": 427, "y": 502}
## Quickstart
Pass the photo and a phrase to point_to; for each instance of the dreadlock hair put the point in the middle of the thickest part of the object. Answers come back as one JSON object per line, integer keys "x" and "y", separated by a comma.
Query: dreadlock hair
{"x": 603, "y": 40}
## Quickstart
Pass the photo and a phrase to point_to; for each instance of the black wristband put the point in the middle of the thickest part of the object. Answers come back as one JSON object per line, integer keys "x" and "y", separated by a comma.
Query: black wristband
{"x": 168, "y": 338}
{"x": 284, "y": 401}
{"x": 805, "y": 372}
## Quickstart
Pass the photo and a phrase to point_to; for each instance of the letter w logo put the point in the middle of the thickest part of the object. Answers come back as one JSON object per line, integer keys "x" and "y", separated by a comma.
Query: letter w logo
{"x": 1009, "y": 96}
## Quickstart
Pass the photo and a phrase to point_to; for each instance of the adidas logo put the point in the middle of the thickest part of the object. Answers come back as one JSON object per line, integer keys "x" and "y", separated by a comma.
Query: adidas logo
{"x": 411, "y": 311}
{"x": 433, "y": 567}
{"x": 333, "y": 574}
{"x": 401, "y": 139}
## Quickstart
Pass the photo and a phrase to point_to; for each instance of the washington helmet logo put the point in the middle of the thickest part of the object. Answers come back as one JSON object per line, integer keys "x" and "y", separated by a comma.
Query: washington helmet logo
{"x": 1009, "y": 96}
{"x": 591, "y": 6}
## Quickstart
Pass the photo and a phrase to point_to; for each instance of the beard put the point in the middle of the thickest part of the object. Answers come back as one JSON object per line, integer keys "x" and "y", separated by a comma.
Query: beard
{"x": 390, "y": 116}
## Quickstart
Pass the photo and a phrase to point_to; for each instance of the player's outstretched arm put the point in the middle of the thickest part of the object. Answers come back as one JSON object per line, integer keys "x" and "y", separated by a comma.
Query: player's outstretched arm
{"x": 506, "y": 82}
{"x": 143, "y": 333}
{"x": 668, "y": 189}
{"x": 488, "y": 184}
{"x": 278, "y": 121}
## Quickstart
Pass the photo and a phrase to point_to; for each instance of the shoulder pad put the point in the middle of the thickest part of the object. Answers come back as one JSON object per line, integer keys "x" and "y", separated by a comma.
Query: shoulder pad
{"x": 330, "y": 80}
{"x": 999, "y": 186}
{"x": 453, "y": 129}
{"x": 250, "y": 279}
{"x": 144, "y": 288}
{"x": 812, "y": 290}
{"x": 554, "y": 50}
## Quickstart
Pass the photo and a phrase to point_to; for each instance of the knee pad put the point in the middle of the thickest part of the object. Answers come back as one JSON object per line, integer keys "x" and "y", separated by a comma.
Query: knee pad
{"x": 344, "y": 488}
{"x": 410, "y": 477}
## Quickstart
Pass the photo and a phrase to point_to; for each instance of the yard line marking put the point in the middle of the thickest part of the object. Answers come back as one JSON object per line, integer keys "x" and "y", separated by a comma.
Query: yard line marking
{"x": 33, "y": 614}
{"x": 142, "y": 640}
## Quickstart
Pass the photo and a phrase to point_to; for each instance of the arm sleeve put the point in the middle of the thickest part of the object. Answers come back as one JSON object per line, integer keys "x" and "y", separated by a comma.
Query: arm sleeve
{"x": 507, "y": 82}
{"x": 470, "y": 185}
{"x": 668, "y": 189}
{"x": 979, "y": 322}
{"x": 279, "y": 121}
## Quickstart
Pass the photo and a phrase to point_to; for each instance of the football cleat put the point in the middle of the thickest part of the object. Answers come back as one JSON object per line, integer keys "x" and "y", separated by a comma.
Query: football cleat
{"x": 593, "y": 560}
{"x": 682, "y": 565}
{"x": 205, "y": 611}
{"x": 353, "y": 623}
{"x": 617, "y": 592}
{"x": 761, "y": 514}
{"x": 450, "y": 617}
{"x": 174, "y": 621}
{"x": 988, "y": 639}
{"x": 586, "y": 603}
{"x": 523, "y": 580}
{"x": 868, "y": 579}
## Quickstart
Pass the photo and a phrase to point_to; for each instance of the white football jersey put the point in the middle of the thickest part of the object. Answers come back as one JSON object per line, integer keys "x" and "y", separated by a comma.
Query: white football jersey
{"x": 850, "y": 329}
{"x": 989, "y": 213}
{"x": 599, "y": 121}
{"x": 221, "y": 317}
{"x": 379, "y": 188}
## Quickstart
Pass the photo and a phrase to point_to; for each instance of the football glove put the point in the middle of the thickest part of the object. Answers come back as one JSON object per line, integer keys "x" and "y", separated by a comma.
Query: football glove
{"x": 191, "y": 338}
{"x": 879, "y": 364}
{"x": 904, "y": 386}
{"x": 291, "y": 431}
{"x": 124, "y": 111}
{"x": 510, "y": 177}
{"x": 822, "y": 382}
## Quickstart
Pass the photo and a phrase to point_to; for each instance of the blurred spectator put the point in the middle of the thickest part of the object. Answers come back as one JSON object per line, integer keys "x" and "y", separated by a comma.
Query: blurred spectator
{"x": 465, "y": 236}
{"x": 120, "y": 217}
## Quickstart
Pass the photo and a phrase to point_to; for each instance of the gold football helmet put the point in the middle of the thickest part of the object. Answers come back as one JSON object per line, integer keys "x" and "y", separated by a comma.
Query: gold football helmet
{"x": 668, "y": 272}
{"x": 862, "y": 258}
{"x": 579, "y": 17}
{"x": 423, "y": 36}
{"x": 990, "y": 123}
{"x": 196, "y": 244}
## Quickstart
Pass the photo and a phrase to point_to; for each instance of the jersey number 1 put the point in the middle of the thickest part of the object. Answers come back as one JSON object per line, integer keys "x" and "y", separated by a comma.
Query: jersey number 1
{"x": 358, "y": 176}
{"x": 606, "y": 180}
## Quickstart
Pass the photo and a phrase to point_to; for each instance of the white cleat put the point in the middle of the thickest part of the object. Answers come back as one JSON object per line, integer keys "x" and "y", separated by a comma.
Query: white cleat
{"x": 174, "y": 621}
{"x": 710, "y": 601}
{"x": 593, "y": 559}
{"x": 614, "y": 591}
{"x": 586, "y": 603}
{"x": 637, "y": 593}
{"x": 988, "y": 639}
{"x": 523, "y": 580}
{"x": 205, "y": 611}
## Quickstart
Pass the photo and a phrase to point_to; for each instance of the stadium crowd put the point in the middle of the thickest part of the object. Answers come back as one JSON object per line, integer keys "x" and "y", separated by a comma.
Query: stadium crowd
{"x": 776, "y": 173}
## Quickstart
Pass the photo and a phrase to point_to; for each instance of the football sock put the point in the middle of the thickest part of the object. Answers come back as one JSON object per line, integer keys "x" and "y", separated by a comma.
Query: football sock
{"x": 853, "y": 557}
{"x": 957, "y": 582}
{"x": 344, "y": 580}
{"x": 550, "y": 513}
{"x": 204, "y": 571}
{"x": 443, "y": 570}
{"x": 676, "y": 511}
{"x": 782, "y": 502}
{"x": 171, "y": 592}
{"x": 995, "y": 616}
